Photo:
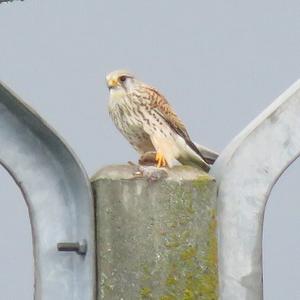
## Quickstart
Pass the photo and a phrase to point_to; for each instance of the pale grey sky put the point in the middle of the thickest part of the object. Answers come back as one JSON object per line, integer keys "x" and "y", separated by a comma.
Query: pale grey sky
{"x": 218, "y": 62}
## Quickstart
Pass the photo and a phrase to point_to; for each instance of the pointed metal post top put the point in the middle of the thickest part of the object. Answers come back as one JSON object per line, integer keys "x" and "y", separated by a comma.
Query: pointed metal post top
{"x": 246, "y": 172}
{"x": 61, "y": 206}
{"x": 59, "y": 198}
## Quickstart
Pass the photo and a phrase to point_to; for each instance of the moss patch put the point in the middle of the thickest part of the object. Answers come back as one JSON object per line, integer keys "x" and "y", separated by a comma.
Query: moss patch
{"x": 157, "y": 240}
{"x": 145, "y": 293}
{"x": 191, "y": 251}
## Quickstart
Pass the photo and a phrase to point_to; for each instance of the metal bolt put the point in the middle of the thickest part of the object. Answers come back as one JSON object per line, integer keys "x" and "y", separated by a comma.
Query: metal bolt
{"x": 78, "y": 247}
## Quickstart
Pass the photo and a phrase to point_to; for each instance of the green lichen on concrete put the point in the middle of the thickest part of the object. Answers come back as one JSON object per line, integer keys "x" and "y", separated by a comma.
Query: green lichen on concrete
{"x": 157, "y": 240}
{"x": 188, "y": 253}
{"x": 209, "y": 281}
{"x": 167, "y": 297}
{"x": 193, "y": 273}
{"x": 171, "y": 280}
{"x": 145, "y": 293}
{"x": 205, "y": 286}
{"x": 203, "y": 183}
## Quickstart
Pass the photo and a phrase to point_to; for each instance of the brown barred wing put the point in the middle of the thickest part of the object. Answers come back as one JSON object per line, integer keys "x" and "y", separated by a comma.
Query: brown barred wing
{"x": 162, "y": 107}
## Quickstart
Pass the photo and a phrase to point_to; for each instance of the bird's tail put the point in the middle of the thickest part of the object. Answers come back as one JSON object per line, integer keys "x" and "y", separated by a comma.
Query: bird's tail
{"x": 198, "y": 156}
{"x": 209, "y": 155}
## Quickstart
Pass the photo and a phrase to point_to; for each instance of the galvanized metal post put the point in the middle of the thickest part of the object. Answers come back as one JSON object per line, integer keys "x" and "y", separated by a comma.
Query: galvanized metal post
{"x": 59, "y": 199}
{"x": 246, "y": 172}
{"x": 156, "y": 235}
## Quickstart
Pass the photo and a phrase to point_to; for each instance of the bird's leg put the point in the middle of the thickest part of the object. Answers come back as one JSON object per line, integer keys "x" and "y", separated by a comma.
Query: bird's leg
{"x": 160, "y": 160}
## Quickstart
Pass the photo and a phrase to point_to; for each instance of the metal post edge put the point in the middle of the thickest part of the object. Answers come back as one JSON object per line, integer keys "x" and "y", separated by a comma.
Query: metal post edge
{"x": 59, "y": 199}
{"x": 245, "y": 172}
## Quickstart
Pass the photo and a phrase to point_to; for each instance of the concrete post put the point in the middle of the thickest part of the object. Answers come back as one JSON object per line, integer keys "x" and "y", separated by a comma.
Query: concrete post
{"x": 156, "y": 239}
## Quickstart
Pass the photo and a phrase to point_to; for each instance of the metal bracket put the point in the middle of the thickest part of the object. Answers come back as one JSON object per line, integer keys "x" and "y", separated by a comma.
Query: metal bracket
{"x": 59, "y": 199}
{"x": 246, "y": 172}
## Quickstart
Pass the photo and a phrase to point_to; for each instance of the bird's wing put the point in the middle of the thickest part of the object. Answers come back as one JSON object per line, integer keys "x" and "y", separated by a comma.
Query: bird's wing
{"x": 162, "y": 107}
{"x": 209, "y": 155}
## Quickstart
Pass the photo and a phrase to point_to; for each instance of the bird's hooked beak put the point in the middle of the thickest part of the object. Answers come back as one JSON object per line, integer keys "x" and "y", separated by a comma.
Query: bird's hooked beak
{"x": 112, "y": 83}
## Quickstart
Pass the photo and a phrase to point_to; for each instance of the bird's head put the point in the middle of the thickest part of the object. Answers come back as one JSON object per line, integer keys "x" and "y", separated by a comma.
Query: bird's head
{"x": 121, "y": 81}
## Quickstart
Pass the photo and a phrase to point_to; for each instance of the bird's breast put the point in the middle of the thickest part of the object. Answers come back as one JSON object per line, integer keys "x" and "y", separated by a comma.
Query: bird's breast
{"x": 123, "y": 114}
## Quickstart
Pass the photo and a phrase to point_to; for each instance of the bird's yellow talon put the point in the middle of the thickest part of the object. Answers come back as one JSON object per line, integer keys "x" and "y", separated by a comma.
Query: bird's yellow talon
{"x": 160, "y": 160}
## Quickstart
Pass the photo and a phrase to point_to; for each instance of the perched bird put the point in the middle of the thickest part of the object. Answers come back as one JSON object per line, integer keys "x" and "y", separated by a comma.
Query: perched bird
{"x": 148, "y": 122}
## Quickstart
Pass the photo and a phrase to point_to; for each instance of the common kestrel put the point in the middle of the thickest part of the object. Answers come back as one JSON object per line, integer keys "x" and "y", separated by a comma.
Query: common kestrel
{"x": 148, "y": 122}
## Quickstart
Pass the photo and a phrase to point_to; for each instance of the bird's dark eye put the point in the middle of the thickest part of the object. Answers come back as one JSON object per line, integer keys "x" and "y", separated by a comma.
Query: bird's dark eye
{"x": 123, "y": 78}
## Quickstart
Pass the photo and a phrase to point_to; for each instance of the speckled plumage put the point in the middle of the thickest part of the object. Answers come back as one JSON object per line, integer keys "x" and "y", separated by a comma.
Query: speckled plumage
{"x": 145, "y": 118}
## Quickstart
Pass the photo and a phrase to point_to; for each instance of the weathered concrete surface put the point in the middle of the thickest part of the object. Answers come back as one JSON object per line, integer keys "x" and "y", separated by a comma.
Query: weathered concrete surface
{"x": 156, "y": 239}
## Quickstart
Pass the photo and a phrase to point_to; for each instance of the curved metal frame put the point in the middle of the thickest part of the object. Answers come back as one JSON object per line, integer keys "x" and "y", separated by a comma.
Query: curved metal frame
{"x": 59, "y": 198}
{"x": 246, "y": 171}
